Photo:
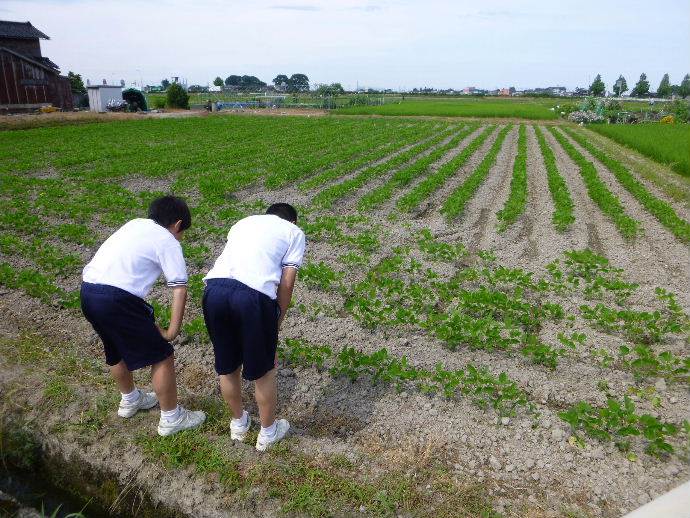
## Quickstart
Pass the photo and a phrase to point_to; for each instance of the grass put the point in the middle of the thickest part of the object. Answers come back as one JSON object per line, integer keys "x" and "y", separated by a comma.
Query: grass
{"x": 668, "y": 144}
{"x": 533, "y": 109}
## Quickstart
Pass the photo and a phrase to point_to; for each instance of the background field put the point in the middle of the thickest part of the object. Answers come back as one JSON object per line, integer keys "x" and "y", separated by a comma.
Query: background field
{"x": 666, "y": 143}
{"x": 536, "y": 109}
{"x": 505, "y": 293}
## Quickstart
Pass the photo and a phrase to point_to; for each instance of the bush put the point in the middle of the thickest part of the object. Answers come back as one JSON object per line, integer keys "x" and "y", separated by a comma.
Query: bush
{"x": 135, "y": 99}
{"x": 585, "y": 117}
{"x": 176, "y": 97}
{"x": 159, "y": 102}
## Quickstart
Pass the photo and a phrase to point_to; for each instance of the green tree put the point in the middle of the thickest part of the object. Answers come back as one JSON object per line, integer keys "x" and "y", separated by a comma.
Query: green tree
{"x": 176, "y": 97}
{"x": 233, "y": 80}
{"x": 642, "y": 87}
{"x": 281, "y": 80}
{"x": 298, "y": 83}
{"x": 218, "y": 81}
{"x": 597, "y": 88}
{"x": 664, "y": 89}
{"x": 684, "y": 89}
{"x": 76, "y": 83}
{"x": 165, "y": 84}
{"x": 620, "y": 86}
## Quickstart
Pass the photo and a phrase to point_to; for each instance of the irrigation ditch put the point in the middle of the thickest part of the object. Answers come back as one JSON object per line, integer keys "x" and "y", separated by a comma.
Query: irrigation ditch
{"x": 40, "y": 473}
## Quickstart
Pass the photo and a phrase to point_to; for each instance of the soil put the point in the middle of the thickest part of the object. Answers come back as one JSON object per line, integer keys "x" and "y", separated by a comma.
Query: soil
{"x": 526, "y": 464}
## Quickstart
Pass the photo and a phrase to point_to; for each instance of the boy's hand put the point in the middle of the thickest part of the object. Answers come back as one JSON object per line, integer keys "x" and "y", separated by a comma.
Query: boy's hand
{"x": 168, "y": 334}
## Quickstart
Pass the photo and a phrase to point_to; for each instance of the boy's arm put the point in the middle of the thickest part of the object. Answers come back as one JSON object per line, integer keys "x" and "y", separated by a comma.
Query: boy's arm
{"x": 287, "y": 284}
{"x": 176, "y": 313}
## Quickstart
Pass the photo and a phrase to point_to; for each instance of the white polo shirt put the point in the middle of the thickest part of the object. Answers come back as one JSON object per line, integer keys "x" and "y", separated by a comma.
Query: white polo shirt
{"x": 133, "y": 258}
{"x": 258, "y": 249}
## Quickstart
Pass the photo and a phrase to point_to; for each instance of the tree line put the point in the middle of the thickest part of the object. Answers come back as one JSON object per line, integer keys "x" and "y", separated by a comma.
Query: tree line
{"x": 641, "y": 88}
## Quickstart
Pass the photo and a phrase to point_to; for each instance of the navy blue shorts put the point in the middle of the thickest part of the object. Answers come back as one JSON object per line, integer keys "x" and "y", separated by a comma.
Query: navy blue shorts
{"x": 125, "y": 324}
{"x": 243, "y": 325}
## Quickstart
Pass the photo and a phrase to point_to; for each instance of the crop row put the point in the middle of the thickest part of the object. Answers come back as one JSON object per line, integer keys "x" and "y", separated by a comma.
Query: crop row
{"x": 598, "y": 191}
{"x": 660, "y": 209}
{"x": 404, "y": 176}
{"x": 477, "y": 383}
{"x": 517, "y": 199}
{"x": 48, "y": 257}
{"x": 435, "y": 181}
{"x": 618, "y": 422}
{"x": 368, "y": 151}
{"x": 326, "y": 197}
{"x": 455, "y": 203}
{"x": 563, "y": 203}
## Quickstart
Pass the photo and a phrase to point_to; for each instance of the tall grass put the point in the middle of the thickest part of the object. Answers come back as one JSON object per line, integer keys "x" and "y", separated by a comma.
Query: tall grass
{"x": 668, "y": 144}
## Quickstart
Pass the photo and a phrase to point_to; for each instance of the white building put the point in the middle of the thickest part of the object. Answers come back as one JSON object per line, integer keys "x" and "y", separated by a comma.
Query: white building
{"x": 100, "y": 95}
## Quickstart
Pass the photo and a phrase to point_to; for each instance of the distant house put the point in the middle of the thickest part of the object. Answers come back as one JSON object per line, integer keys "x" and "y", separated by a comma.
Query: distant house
{"x": 28, "y": 80}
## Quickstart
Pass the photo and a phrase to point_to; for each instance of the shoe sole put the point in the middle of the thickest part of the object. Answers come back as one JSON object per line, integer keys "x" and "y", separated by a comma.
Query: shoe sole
{"x": 131, "y": 412}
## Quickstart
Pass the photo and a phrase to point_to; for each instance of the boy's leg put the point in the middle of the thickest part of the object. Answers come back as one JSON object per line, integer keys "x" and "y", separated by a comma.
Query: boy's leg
{"x": 266, "y": 394}
{"x": 164, "y": 383}
{"x": 123, "y": 377}
{"x": 231, "y": 389}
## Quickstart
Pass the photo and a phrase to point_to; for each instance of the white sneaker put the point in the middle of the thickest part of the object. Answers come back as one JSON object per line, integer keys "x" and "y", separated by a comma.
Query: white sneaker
{"x": 264, "y": 442}
{"x": 239, "y": 433}
{"x": 186, "y": 420}
{"x": 146, "y": 400}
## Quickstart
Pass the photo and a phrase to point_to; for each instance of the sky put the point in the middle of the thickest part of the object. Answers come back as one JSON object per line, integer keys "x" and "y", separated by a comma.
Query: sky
{"x": 399, "y": 44}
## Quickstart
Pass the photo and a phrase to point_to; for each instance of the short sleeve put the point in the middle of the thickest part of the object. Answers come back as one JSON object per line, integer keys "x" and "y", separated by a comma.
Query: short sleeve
{"x": 295, "y": 252}
{"x": 172, "y": 263}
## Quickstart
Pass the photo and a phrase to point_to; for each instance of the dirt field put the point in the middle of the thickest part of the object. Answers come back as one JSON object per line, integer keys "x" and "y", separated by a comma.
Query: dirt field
{"x": 410, "y": 452}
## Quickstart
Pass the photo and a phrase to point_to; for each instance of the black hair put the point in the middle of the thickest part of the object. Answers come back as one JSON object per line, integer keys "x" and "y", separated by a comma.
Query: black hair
{"x": 167, "y": 210}
{"x": 283, "y": 210}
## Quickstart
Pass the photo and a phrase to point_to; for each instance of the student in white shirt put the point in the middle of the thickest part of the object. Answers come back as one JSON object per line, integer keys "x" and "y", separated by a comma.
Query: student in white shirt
{"x": 114, "y": 286}
{"x": 247, "y": 294}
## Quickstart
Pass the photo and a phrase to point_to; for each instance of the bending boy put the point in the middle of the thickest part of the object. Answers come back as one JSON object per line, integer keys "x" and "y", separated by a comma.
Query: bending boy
{"x": 247, "y": 294}
{"x": 116, "y": 281}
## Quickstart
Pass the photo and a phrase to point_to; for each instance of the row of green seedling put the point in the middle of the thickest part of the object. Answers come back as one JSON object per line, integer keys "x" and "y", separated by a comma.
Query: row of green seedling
{"x": 619, "y": 422}
{"x": 368, "y": 152}
{"x": 598, "y": 191}
{"x": 404, "y": 176}
{"x": 661, "y": 210}
{"x": 326, "y": 197}
{"x": 477, "y": 383}
{"x": 455, "y": 203}
{"x": 563, "y": 215}
{"x": 517, "y": 199}
{"x": 435, "y": 180}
